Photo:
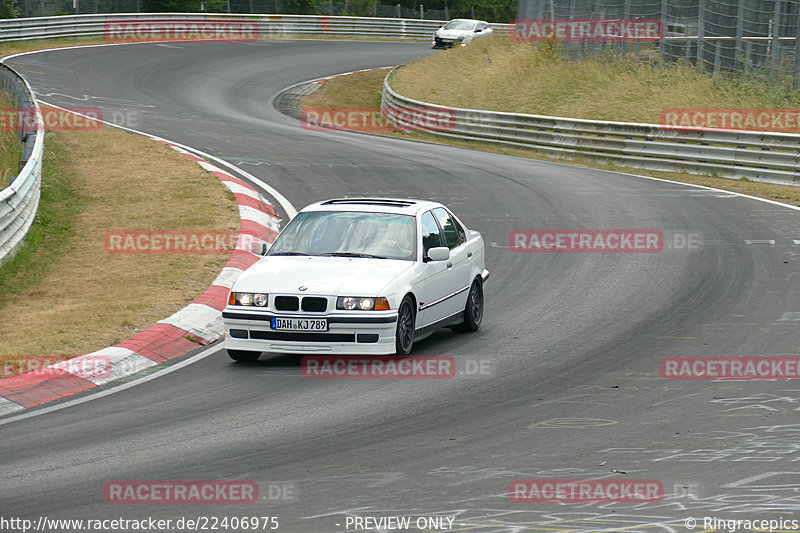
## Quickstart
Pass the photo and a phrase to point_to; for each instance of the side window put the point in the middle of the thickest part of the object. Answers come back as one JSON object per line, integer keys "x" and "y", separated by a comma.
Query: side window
{"x": 482, "y": 27}
{"x": 453, "y": 232}
{"x": 431, "y": 238}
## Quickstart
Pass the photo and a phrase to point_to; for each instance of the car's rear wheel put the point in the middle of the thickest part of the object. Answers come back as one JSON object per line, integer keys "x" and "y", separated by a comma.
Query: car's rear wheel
{"x": 473, "y": 311}
{"x": 404, "y": 336}
{"x": 243, "y": 356}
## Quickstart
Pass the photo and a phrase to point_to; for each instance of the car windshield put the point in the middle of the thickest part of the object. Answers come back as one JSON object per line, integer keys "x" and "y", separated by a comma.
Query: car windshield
{"x": 459, "y": 25}
{"x": 348, "y": 234}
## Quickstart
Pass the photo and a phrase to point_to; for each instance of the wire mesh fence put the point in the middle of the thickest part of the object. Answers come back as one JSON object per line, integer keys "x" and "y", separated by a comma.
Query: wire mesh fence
{"x": 759, "y": 36}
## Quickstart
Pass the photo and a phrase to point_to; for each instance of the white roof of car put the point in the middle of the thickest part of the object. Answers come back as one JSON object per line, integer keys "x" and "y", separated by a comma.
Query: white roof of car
{"x": 469, "y": 20}
{"x": 404, "y": 206}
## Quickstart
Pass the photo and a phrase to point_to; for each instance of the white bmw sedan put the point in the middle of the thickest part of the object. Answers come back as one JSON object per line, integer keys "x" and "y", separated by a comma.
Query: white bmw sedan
{"x": 358, "y": 276}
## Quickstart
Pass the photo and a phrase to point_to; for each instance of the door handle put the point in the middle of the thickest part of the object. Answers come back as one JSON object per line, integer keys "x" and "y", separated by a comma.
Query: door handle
{"x": 469, "y": 254}
{"x": 449, "y": 265}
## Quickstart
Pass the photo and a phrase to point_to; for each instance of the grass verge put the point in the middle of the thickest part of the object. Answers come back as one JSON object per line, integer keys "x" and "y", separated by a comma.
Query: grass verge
{"x": 362, "y": 90}
{"x": 502, "y": 75}
{"x": 64, "y": 294}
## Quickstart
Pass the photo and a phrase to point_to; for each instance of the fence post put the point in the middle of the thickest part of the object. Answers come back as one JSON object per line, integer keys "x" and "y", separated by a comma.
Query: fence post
{"x": 738, "y": 49}
{"x": 717, "y": 56}
{"x": 775, "y": 44}
{"x": 701, "y": 30}
{"x": 626, "y": 14}
{"x": 662, "y": 45}
{"x": 748, "y": 56}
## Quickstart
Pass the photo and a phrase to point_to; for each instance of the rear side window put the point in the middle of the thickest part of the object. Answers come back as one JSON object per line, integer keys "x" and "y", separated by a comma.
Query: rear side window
{"x": 431, "y": 237}
{"x": 453, "y": 232}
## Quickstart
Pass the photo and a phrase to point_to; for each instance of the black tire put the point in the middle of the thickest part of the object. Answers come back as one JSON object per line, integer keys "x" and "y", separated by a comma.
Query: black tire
{"x": 243, "y": 355}
{"x": 473, "y": 310}
{"x": 404, "y": 335}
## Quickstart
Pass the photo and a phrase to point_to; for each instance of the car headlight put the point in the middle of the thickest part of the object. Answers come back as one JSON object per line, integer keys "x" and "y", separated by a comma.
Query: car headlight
{"x": 258, "y": 299}
{"x": 362, "y": 303}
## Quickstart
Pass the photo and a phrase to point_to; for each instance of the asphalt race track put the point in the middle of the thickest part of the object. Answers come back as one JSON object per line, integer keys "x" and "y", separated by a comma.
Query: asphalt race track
{"x": 562, "y": 381}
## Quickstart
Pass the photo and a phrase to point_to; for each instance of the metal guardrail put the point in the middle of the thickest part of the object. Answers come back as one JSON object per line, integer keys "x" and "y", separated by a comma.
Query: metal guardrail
{"x": 19, "y": 201}
{"x": 268, "y": 26}
{"x": 758, "y": 156}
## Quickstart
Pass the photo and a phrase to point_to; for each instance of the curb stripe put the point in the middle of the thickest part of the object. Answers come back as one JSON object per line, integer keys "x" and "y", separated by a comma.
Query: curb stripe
{"x": 215, "y": 297}
{"x": 7, "y": 406}
{"x": 237, "y": 181}
{"x": 227, "y": 277}
{"x": 199, "y": 320}
{"x": 121, "y": 362}
{"x": 160, "y": 342}
{"x": 237, "y": 188}
{"x": 34, "y": 388}
{"x": 250, "y": 227}
{"x": 266, "y": 220}
{"x": 255, "y": 203}
{"x": 242, "y": 259}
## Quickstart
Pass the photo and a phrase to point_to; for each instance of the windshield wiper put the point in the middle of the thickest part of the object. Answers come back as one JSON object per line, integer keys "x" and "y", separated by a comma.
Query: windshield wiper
{"x": 354, "y": 254}
{"x": 291, "y": 253}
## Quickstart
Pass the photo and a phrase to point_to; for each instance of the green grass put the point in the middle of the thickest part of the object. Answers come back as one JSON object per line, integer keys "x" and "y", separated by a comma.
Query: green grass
{"x": 10, "y": 146}
{"x": 53, "y": 229}
{"x": 502, "y": 75}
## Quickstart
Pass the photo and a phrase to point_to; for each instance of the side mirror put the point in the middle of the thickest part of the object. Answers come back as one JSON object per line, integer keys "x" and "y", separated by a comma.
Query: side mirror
{"x": 439, "y": 253}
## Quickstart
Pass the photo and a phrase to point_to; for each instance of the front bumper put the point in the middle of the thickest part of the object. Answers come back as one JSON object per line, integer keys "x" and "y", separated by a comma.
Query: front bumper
{"x": 371, "y": 332}
{"x": 438, "y": 42}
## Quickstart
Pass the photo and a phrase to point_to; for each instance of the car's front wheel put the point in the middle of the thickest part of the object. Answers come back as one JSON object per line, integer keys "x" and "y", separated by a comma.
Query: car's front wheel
{"x": 404, "y": 336}
{"x": 243, "y": 356}
{"x": 473, "y": 311}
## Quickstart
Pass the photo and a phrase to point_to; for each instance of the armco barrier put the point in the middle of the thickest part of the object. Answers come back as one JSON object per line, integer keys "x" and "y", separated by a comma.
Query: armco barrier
{"x": 268, "y": 26}
{"x": 19, "y": 201}
{"x": 758, "y": 156}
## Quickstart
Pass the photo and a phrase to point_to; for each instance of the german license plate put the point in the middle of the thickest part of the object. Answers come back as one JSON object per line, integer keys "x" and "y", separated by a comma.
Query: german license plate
{"x": 300, "y": 324}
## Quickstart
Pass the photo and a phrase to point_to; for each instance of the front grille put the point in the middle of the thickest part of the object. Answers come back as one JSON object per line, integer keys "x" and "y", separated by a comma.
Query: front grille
{"x": 287, "y": 303}
{"x": 315, "y": 305}
{"x": 302, "y": 336}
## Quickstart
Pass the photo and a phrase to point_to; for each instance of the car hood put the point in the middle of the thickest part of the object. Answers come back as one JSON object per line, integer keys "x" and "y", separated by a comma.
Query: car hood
{"x": 334, "y": 276}
{"x": 453, "y": 34}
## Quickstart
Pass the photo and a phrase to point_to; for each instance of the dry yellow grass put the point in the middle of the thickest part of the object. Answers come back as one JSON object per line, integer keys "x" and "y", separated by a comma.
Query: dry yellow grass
{"x": 356, "y": 90}
{"x": 91, "y": 298}
{"x": 499, "y": 74}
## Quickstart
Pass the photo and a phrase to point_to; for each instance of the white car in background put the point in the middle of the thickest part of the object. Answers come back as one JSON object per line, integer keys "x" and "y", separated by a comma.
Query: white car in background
{"x": 358, "y": 276}
{"x": 459, "y": 32}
